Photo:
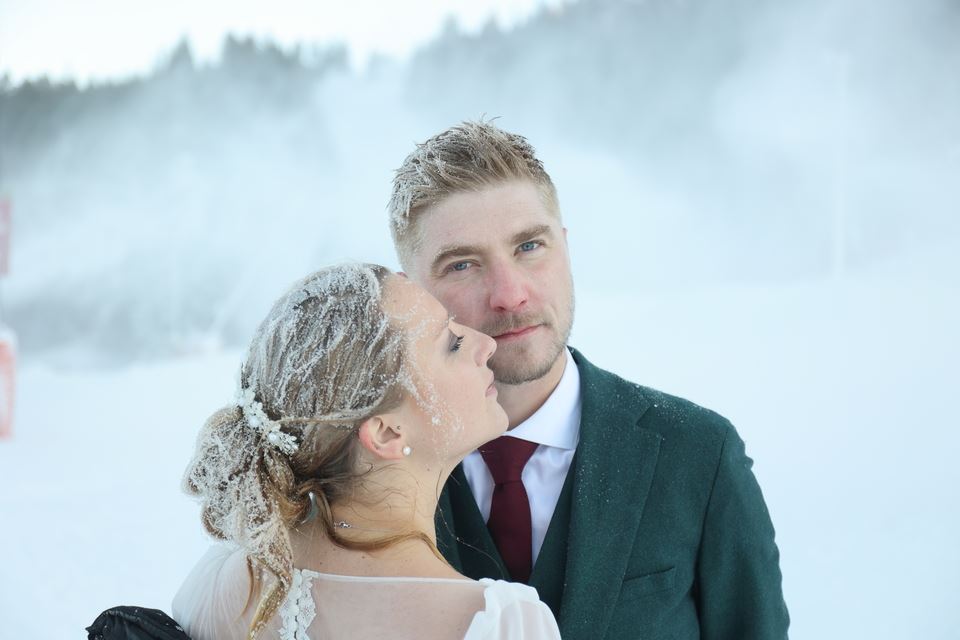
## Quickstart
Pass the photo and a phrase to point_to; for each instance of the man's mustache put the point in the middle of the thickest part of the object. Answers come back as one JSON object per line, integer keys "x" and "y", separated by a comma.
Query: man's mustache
{"x": 506, "y": 324}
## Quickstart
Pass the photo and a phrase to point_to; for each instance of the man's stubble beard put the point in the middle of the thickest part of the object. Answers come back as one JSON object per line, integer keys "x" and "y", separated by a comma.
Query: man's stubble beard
{"x": 521, "y": 370}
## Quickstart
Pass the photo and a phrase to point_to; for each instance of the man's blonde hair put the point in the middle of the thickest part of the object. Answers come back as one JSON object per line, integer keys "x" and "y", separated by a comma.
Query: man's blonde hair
{"x": 466, "y": 157}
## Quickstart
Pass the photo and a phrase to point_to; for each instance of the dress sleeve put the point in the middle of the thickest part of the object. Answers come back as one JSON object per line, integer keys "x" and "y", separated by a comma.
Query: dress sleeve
{"x": 513, "y": 612}
{"x": 211, "y": 602}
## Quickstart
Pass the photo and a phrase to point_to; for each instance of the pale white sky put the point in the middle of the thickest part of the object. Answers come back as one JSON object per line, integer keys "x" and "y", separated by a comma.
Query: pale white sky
{"x": 96, "y": 39}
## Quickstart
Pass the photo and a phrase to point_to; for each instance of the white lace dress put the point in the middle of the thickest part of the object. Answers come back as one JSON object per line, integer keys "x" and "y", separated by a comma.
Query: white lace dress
{"x": 212, "y": 603}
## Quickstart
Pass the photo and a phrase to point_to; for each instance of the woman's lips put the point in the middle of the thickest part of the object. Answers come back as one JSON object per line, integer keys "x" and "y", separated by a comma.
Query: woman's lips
{"x": 492, "y": 388}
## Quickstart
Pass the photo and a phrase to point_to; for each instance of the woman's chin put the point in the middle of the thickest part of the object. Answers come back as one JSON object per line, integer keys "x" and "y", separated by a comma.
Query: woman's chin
{"x": 504, "y": 424}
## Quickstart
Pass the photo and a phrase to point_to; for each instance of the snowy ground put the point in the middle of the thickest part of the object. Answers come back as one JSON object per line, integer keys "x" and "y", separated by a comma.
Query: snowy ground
{"x": 843, "y": 391}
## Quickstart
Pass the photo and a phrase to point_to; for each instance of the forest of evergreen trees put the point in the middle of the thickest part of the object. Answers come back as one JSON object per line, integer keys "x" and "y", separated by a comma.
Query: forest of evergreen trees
{"x": 601, "y": 63}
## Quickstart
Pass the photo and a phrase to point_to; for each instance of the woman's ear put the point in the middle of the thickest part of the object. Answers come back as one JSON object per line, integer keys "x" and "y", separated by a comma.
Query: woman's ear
{"x": 382, "y": 438}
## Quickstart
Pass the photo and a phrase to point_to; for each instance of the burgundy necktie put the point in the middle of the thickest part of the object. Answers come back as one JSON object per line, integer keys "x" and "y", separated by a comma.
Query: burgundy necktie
{"x": 509, "y": 522}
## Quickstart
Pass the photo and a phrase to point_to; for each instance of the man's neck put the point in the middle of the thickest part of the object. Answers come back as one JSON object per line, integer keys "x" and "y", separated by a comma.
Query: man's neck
{"x": 520, "y": 401}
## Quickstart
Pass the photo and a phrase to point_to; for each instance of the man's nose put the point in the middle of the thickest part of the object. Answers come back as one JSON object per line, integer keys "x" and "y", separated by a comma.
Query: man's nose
{"x": 508, "y": 289}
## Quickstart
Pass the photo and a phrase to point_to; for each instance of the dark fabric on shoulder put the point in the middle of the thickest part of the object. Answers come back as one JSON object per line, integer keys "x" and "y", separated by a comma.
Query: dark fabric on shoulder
{"x": 135, "y": 623}
{"x": 701, "y": 561}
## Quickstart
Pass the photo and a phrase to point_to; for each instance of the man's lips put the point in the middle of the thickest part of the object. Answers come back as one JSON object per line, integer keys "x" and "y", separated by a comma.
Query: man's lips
{"x": 517, "y": 333}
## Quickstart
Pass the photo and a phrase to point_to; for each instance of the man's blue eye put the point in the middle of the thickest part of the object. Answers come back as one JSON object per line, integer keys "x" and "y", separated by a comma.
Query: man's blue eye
{"x": 459, "y": 266}
{"x": 528, "y": 246}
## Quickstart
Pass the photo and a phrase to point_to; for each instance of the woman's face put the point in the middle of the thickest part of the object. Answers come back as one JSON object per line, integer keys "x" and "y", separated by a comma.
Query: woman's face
{"x": 456, "y": 408}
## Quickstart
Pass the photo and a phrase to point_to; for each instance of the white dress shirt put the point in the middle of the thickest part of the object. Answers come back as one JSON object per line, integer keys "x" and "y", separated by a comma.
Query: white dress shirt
{"x": 556, "y": 428}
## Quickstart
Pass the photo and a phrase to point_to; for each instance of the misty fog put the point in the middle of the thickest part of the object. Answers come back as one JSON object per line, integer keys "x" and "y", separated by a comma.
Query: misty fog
{"x": 740, "y": 143}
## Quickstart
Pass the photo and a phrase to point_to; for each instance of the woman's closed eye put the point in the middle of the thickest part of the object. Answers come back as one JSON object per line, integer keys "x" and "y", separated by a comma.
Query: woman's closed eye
{"x": 457, "y": 341}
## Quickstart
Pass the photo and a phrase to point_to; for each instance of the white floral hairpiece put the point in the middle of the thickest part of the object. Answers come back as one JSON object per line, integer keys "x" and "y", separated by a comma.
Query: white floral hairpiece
{"x": 257, "y": 419}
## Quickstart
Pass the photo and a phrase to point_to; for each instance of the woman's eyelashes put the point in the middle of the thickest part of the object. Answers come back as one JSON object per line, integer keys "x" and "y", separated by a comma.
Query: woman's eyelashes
{"x": 456, "y": 342}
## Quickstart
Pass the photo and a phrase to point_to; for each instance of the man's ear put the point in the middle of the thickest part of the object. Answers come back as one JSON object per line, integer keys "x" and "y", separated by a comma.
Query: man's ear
{"x": 381, "y": 439}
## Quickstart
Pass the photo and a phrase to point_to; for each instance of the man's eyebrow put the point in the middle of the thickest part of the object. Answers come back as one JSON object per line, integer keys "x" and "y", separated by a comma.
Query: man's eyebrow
{"x": 530, "y": 232}
{"x": 453, "y": 251}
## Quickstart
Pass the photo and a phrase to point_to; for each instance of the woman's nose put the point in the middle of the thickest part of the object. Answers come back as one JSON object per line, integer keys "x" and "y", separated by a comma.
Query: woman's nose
{"x": 486, "y": 346}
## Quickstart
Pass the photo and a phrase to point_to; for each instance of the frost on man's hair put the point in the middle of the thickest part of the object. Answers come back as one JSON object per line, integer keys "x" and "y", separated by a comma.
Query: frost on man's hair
{"x": 465, "y": 157}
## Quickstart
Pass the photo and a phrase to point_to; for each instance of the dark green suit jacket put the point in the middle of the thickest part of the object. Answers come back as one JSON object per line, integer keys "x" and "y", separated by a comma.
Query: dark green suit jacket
{"x": 660, "y": 531}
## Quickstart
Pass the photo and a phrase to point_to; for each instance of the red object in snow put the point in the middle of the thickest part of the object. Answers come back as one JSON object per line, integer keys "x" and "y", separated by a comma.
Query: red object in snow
{"x": 8, "y": 340}
{"x": 8, "y": 357}
{"x": 4, "y": 236}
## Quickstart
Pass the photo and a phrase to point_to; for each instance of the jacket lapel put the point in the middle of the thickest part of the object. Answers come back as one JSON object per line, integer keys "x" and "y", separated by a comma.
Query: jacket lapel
{"x": 613, "y": 471}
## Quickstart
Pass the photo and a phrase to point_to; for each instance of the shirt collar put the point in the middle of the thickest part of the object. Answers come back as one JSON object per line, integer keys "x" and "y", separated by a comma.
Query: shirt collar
{"x": 557, "y": 422}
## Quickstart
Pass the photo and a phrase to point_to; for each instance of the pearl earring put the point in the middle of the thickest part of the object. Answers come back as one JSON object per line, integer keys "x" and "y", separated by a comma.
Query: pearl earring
{"x": 406, "y": 450}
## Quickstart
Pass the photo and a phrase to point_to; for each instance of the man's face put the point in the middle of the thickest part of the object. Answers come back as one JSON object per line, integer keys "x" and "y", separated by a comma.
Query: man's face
{"x": 497, "y": 259}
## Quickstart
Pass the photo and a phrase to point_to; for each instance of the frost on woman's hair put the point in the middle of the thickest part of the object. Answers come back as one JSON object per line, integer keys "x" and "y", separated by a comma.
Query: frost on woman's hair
{"x": 327, "y": 356}
{"x": 324, "y": 358}
{"x": 315, "y": 352}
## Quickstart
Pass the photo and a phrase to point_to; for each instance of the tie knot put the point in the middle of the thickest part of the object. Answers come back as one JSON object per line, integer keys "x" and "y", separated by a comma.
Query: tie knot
{"x": 506, "y": 457}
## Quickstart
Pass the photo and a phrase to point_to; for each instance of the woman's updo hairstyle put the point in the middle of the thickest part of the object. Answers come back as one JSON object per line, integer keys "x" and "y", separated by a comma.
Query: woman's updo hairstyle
{"x": 325, "y": 358}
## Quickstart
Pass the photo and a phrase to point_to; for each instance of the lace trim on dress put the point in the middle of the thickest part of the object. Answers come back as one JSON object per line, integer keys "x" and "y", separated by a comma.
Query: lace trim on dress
{"x": 299, "y": 609}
